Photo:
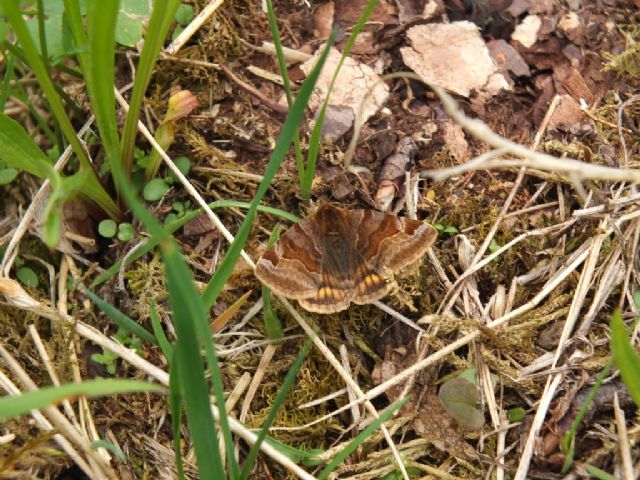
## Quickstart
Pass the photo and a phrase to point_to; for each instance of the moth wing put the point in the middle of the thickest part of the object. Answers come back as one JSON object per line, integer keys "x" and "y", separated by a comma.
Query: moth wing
{"x": 390, "y": 243}
{"x": 291, "y": 267}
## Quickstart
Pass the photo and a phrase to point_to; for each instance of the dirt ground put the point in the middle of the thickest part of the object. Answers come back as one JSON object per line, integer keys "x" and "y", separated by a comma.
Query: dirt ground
{"x": 533, "y": 320}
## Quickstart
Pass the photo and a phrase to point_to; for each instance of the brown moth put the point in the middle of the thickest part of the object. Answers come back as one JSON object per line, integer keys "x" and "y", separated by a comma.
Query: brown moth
{"x": 336, "y": 256}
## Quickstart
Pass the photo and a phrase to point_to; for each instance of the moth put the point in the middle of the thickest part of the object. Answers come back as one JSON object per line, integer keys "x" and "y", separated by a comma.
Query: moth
{"x": 336, "y": 257}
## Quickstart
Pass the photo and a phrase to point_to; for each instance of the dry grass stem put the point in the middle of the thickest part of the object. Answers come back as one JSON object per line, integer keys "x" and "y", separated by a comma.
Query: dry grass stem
{"x": 193, "y": 27}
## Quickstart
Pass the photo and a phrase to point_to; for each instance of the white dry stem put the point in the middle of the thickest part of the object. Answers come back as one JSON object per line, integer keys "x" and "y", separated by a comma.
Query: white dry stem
{"x": 623, "y": 440}
{"x": 44, "y": 425}
{"x": 193, "y": 27}
{"x": 17, "y": 297}
{"x": 101, "y": 469}
{"x": 267, "y": 355}
{"x": 44, "y": 355}
{"x": 579, "y": 170}
{"x": 344, "y": 357}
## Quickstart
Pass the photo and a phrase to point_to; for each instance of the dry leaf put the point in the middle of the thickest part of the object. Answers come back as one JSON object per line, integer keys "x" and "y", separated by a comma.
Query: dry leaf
{"x": 453, "y": 56}
{"x": 351, "y": 86}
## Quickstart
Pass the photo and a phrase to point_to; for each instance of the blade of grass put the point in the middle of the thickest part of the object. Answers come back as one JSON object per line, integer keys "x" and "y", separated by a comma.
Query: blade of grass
{"x": 272, "y": 323}
{"x": 289, "y": 128}
{"x": 190, "y": 318}
{"x": 118, "y": 317}
{"x": 598, "y": 474}
{"x": 568, "y": 442}
{"x": 361, "y": 437}
{"x": 15, "y": 406}
{"x": 152, "y": 243}
{"x": 314, "y": 140}
{"x": 94, "y": 189}
{"x": 8, "y": 76}
{"x": 188, "y": 311}
{"x": 175, "y": 404}
{"x": 161, "y": 338}
{"x": 161, "y": 18}
{"x": 282, "y": 63}
{"x": 273, "y": 411}
{"x": 101, "y": 21}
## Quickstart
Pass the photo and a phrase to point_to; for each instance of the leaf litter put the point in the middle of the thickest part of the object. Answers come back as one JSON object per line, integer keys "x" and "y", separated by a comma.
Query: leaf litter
{"x": 571, "y": 246}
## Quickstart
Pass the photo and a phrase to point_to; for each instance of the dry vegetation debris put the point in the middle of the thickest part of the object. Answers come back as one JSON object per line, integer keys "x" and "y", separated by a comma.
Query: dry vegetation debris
{"x": 530, "y": 261}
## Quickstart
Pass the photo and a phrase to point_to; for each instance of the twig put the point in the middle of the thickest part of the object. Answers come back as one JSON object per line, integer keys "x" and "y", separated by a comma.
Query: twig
{"x": 193, "y": 27}
{"x": 275, "y": 106}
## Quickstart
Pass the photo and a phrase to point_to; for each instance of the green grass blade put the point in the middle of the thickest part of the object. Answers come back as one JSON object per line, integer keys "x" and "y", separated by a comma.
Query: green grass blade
{"x": 598, "y": 474}
{"x": 8, "y": 76}
{"x": 626, "y": 358}
{"x": 81, "y": 42}
{"x": 94, "y": 190}
{"x": 190, "y": 317}
{"x": 277, "y": 403}
{"x": 175, "y": 404}
{"x": 101, "y": 26}
{"x": 314, "y": 140}
{"x": 161, "y": 338}
{"x": 282, "y": 146}
{"x": 14, "y": 406}
{"x": 282, "y": 63}
{"x": 161, "y": 18}
{"x": 568, "y": 442}
{"x": 361, "y": 437}
{"x": 188, "y": 310}
{"x": 118, "y": 317}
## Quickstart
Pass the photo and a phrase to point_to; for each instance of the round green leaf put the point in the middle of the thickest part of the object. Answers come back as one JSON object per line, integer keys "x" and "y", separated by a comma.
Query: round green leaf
{"x": 28, "y": 277}
{"x": 459, "y": 397}
{"x": 183, "y": 164}
{"x": 515, "y": 414}
{"x": 7, "y": 175}
{"x": 184, "y": 14}
{"x": 107, "y": 228}
{"x": 125, "y": 232}
{"x": 170, "y": 218}
{"x": 155, "y": 189}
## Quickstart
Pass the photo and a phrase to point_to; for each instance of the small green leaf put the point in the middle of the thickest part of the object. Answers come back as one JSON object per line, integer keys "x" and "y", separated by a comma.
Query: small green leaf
{"x": 155, "y": 189}
{"x": 7, "y": 175}
{"x": 515, "y": 414}
{"x": 494, "y": 246}
{"x": 459, "y": 397}
{"x": 107, "y": 228}
{"x": 125, "y": 232}
{"x": 170, "y": 218}
{"x": 183, "y": 164}
{"x": 184, "y": 14}
{"x": 128, "y": 30}
{"x": 28, "y": 277}
{"x": 109, "y": 446}
{"x": 451, "y": 230}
